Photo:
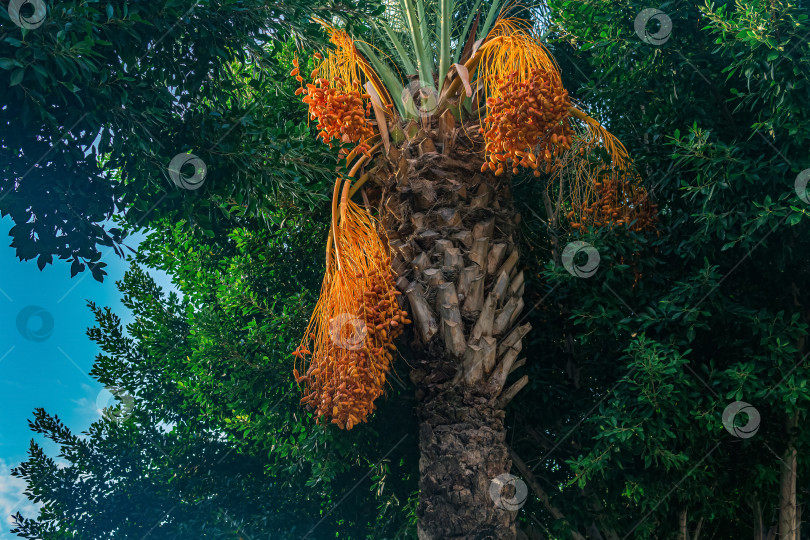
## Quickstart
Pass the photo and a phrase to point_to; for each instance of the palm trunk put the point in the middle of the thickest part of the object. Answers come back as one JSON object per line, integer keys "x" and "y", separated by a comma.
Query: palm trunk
{"x": 452, "y": 231}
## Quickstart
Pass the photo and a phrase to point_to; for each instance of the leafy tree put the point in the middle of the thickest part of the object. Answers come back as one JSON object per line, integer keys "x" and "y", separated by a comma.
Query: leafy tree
{"x": 671, "y": 330}
{"x": 215, "y": 444}
{"x": 100, "y": 97}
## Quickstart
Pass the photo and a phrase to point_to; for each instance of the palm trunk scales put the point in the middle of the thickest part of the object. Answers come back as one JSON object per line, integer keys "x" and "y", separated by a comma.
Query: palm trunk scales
{"x": 452, "y": 232}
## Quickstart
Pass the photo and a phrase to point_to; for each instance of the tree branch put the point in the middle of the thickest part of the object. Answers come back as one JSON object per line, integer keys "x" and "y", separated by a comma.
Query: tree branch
{"x": 532, "y": 482}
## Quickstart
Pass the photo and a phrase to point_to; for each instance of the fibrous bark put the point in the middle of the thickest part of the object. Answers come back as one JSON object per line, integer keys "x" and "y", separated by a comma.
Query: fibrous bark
{"x": 464, "y": 291}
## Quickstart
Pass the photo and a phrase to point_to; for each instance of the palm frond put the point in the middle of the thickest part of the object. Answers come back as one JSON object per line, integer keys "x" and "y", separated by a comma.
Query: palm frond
{"x": 403, "y": 54}
{"x": 424, "y": 61}
{"x": 445, "y": 26}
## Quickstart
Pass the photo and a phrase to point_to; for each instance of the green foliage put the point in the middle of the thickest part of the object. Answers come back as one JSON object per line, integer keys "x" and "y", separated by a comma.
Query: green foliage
{"x": 100, "y": 98}
{"x": 625, "y": 423}
{"x": 630, "y": 370}
{"x": 217, "y": 423}
{"x": 158, "y": 468}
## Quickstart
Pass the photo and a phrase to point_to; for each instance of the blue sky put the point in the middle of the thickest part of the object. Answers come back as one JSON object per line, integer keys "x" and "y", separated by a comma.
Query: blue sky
{"x": 45, "y": 356}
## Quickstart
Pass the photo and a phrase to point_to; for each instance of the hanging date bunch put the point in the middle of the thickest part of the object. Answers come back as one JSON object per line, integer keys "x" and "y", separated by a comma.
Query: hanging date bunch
{"x": 340, "y": 114}
{"x": 607, "y": 189}
{"x": 346, "y": 354}
{"x": 527, "y": 124}
{"x": 619, "y": 200}
{"x": 336, "y": 97}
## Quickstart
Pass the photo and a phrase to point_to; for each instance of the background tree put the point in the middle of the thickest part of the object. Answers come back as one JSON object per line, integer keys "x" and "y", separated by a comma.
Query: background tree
{"x": 99, "y": 99}
{"x": 650, "y": 351}
{"x": 209, "y": 439}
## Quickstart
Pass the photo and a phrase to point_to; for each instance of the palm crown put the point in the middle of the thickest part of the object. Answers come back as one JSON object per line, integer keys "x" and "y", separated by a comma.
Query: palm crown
{"x": 489, "y": 77}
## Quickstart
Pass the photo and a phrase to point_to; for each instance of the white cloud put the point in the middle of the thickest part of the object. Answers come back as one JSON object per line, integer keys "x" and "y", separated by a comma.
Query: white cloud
{"x": 86, "y": 409}
{"x": 12, "y": 500}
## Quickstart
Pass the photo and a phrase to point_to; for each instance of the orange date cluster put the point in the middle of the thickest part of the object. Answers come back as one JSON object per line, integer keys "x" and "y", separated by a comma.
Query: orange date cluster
{"x": 342, "y": 382}
{"x": 619, "y": 201}
{"x": 341, "y": 114}
{"x": 527, "y": 123}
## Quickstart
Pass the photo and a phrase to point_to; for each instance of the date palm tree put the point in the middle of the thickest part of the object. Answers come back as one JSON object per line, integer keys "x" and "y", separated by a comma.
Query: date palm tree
{"x": 434, "y": 114}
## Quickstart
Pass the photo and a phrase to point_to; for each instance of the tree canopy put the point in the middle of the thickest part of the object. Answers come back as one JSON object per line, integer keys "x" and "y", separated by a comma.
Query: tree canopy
{"x": 209, "y": 438}
{"x": 100, "y": 97}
